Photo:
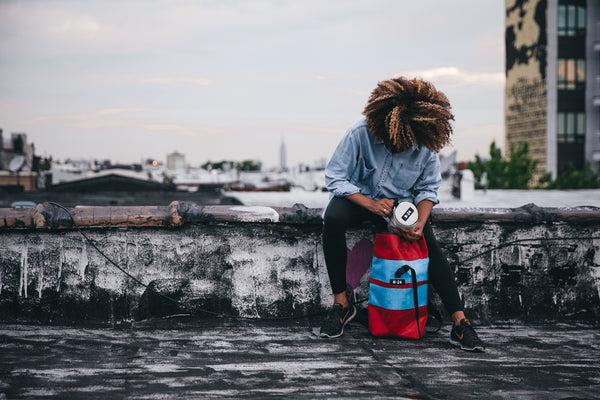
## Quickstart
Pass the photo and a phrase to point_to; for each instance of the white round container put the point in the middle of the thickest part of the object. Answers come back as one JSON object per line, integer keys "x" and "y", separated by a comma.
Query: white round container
{"x": 405, "y": 216}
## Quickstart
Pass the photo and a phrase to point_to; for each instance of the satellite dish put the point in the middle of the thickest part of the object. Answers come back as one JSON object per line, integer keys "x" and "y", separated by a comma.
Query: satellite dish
{"x": 16, "y": 163}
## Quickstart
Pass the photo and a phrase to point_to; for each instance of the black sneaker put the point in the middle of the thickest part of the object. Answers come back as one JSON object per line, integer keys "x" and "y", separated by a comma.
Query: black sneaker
{"x": 338, "y": 317}
{"x": 464, "y": 336}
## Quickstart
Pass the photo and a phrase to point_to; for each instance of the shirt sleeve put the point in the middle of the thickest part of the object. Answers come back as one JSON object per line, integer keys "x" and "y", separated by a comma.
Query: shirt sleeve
{"x": 341, "y": 167}
{"x": 426, "y": 187}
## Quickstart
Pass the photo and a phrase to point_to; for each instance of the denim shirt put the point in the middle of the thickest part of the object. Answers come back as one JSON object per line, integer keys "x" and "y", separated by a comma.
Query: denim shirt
{"x": 363, "y": 164}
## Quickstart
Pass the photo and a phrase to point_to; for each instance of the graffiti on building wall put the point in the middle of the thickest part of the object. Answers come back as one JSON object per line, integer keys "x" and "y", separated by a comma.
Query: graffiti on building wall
{"x": 522, "y": 53}
{"x": 526, "y": 85}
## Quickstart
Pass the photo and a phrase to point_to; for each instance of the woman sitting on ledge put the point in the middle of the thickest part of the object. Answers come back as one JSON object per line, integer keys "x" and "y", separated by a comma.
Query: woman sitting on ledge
{"x": 391, "y": 155}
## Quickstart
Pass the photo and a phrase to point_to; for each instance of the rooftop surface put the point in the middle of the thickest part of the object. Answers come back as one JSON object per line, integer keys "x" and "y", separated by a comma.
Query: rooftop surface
{"x": 233, "y": 359}
{"x": 480, "y": 198}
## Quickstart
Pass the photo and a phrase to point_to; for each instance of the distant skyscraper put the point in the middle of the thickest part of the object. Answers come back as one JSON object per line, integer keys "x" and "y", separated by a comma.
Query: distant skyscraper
{"x": 553, "y": 81}
{"x": 282, "y": 156}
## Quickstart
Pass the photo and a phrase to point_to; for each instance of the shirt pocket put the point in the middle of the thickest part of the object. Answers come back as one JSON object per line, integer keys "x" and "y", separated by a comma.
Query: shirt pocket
{"x": 405, "y": 175}
{"x": 364, "y": 172}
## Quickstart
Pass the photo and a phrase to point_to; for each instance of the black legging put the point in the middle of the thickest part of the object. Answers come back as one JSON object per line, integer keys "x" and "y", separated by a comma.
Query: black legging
{"x": 342, "y": 214}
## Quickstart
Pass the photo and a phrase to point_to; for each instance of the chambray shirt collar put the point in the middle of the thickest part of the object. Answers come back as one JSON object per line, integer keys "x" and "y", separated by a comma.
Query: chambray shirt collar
{"x": 361, "y": 163}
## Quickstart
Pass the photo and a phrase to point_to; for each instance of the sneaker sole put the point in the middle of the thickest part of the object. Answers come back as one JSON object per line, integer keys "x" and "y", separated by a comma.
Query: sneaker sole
{"x": 477, "y": 349}
{"x": 325, "y": 335}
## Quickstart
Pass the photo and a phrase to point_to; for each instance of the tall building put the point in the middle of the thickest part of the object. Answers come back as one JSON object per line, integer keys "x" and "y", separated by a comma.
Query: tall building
{"x": 552, "y": 98}
{"x": 282, "y": 157}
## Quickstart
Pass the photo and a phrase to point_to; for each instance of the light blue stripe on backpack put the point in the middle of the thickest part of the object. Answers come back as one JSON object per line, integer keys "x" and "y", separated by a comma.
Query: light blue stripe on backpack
{"x": 396, "y": 299}
{"x": 384, "y": 270}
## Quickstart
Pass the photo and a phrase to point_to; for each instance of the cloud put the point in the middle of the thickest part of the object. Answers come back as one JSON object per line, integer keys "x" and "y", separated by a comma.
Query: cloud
{"x": 447, "y": 77}
{"x": 361, "y": 92}
{"x": 172, "y": 80}
{"x": 455, "y": 76}
{"x": 276, "y": 62}
{"x": 182, "y": 130}
{"x": 103, "y": 118}
{"x": 124, "y": 110}
{"x": 177, "y": 81}
{"x": 119, "y": 118}
{"x": 79, "y": 25}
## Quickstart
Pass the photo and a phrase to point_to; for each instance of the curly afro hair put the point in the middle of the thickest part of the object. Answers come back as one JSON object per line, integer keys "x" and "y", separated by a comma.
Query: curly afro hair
{"x": 404, "y": 113}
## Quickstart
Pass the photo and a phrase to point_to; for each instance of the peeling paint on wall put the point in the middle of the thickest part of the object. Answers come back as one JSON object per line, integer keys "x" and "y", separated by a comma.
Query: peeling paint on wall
{"x": 23, "y": 281}
{"x": 503, "y": 270}
{"x": 256, "y": 214}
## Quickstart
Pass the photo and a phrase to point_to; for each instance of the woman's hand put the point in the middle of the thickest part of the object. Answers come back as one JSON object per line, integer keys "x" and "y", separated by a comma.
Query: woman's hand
{"x": 416, "y": 233}
{"x": 413, "y": 235}
{"x": 383, "y": 207}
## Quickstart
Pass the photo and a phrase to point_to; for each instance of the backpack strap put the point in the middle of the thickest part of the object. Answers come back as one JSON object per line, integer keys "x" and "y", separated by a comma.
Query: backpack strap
{"x": 415, "y": 290}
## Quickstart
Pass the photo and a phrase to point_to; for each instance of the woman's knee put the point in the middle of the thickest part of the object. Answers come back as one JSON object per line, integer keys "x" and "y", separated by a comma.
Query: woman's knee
{"x": 337, "y": 213}
{"x": 335, "y": 220}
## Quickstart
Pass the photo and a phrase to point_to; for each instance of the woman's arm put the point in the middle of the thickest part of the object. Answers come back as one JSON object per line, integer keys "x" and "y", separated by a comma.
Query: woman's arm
{"x": 381, "y": 207}
{"x": 340, "y": 167}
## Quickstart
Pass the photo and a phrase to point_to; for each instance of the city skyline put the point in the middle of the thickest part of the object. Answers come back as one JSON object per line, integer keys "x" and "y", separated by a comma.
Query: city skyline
{"x": 133, "y": 80}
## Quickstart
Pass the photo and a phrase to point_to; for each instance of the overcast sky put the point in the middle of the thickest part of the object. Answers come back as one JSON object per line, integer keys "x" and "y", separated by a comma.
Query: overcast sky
{"x": 134, "y": 79}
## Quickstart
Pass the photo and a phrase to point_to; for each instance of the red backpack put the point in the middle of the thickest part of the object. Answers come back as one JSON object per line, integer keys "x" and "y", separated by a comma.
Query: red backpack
{"x": 398, "y": 287}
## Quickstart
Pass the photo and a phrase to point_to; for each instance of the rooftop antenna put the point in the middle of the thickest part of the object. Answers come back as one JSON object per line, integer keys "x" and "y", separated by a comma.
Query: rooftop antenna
{"x": 15, "y": 166}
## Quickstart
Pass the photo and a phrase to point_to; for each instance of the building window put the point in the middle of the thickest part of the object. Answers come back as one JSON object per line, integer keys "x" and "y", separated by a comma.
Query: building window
{"x": 570, "y": 127}
{"x": 570, "y": 73}
{"x": 571, "y": 20}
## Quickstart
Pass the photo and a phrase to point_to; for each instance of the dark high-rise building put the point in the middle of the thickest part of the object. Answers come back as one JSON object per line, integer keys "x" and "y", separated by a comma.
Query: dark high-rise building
{"x": 553, "y": 81}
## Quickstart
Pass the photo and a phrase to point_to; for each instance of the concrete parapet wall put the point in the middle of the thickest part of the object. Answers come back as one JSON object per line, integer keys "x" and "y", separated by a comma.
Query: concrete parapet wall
{"x": 527, "y": 263}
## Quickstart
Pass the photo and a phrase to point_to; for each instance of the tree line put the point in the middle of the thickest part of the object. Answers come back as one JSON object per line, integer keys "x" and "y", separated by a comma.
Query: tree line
{"x": 516, "y": 172}
{"x": 226, "y": 165}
